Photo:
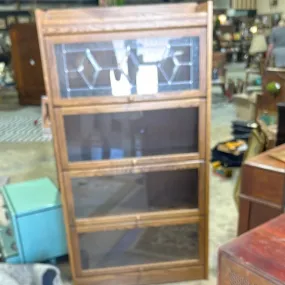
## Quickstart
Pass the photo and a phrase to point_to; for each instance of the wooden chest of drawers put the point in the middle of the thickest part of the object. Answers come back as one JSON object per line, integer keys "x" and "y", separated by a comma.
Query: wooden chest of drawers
{"x": 27, "y": 63}
{"x": 262, "y": 190}
{"x": 255, "y": 258}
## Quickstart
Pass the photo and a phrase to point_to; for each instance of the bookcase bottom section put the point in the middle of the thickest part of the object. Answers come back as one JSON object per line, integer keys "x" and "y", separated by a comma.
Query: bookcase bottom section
{"x": 147, "y": 277}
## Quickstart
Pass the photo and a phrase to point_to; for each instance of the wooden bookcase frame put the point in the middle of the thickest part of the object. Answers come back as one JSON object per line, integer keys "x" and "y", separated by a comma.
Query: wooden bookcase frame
{"x": 66, "y": 165}
{"x": 138, "y": 217}
{"x": 142, "y": 224}
{"x": 100, "y": 24}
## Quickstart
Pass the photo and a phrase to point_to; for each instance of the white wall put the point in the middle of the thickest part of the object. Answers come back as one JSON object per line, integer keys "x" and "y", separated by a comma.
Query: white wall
{"x": 263, "y": 7}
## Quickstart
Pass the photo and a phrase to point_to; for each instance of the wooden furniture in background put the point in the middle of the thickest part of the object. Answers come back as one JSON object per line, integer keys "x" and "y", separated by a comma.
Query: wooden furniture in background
{"x": 272, "y": 74}
{"x": 262, "y": 190}
{"x": 131, "y": 119}
{"x": 219, "y": 62}
{"x": 256, "y": 257}
{"x": 267, "y": 103}
{"x": 27, "y": 63}
{"x": 270, "y": 134}
{"x": 256, "y": 145}
{"x": 281, "y": 124}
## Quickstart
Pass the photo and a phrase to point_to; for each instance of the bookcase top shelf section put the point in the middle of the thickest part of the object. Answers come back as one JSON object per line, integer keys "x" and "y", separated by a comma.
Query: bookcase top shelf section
{"x": 126, "y": 18}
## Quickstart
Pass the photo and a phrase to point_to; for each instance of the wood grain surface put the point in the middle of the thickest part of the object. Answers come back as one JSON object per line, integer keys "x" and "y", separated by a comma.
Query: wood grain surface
{"x": 260, "y": 251}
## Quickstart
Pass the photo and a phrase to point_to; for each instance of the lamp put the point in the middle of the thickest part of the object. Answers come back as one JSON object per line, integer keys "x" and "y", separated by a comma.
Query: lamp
{"x": 258, "y": 44}
{"x": 253, "y": 29}
{"x": 223, "y": 19}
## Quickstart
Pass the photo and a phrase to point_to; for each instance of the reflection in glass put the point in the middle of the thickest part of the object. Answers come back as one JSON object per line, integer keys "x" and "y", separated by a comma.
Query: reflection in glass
{"x": 139, "y": 246}
{"x": 132, "y": 193}
{"x": 125, "y": 67}
{"x": 131, "y": 134}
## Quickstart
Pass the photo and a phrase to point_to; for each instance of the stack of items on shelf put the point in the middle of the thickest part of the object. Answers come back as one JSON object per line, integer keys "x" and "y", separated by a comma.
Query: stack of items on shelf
{"x": 243, "y": 129}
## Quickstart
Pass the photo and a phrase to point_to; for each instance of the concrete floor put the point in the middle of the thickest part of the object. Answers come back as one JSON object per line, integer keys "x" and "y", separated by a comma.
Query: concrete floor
{"x": 21, "y": 161}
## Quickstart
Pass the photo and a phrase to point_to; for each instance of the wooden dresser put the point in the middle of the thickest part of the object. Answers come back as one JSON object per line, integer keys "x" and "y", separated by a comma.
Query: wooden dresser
{"x": 262, "y": 190}
{"x": 129, "y": 92}
{"x": 27, "y": 65}
{"x": 257, "y": 257}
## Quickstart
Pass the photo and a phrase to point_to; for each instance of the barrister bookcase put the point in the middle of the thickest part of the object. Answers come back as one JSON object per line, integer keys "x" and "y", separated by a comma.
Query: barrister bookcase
{"x": 129, "y": 92}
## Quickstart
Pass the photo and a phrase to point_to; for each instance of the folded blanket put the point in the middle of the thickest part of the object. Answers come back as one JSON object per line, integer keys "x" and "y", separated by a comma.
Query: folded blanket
{"x": 29, "y": 274}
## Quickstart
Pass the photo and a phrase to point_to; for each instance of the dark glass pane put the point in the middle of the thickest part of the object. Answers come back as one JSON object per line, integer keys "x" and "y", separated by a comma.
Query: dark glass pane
{"x": 132, "y": 193}
{"x": 131, "y": 134}
{"x": 125, "y": 67}
{"x": 139, "y": 246}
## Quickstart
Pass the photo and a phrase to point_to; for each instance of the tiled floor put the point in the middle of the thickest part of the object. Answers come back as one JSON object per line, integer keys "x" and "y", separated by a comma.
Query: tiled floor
{"x": 22, "y": 161}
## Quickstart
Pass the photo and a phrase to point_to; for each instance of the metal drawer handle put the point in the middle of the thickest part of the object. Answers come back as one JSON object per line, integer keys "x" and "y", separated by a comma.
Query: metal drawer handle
{"x": 7, "y": 215}
{"x": 32, "y": 62}
{"x": 9, "y": 232}
{"x": 14, "y": 246}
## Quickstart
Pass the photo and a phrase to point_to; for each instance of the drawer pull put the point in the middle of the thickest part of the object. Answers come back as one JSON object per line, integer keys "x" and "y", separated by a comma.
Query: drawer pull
{"x": 9, "y": 232}
{"x": 14, "y": 246}
{"x": 7, "y": 215}
{"x": 32, "y": 62}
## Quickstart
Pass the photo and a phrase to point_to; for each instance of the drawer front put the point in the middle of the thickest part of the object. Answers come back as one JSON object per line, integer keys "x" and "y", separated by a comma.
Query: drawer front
{"x": 253, "y": 214}
{"x": 132, "y": 133}
{"x": 37, "y": 241}
{"x": 142, "y": 65}
{"x": 263, "y": 184}
{"x": 175, "y": 189}
{"x": 8, "y": 243}
{"x": 154, "y": 245}
{"x": 260, "y": 214}
{"x": 232, "y": 273}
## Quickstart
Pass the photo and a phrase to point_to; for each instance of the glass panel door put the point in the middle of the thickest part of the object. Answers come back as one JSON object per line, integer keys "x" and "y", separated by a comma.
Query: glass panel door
{"x": 125, "y": 67}
{"x": 139, "y": 246}
{"x": 101, "y": 136}
{"x": 135, "y": 193}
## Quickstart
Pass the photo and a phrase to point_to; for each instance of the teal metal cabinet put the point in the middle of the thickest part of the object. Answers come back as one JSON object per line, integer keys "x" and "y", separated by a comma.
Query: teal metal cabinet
{"x": 33, "y": 228}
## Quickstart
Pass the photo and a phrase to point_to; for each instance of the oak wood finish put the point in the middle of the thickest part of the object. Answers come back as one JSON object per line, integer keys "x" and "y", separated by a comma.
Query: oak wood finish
{"x": 256, "y": 257}
{"x": 169, "y": 275}
{"x": 141, "y": 225}
{"x": 57, "y": 27}
{"x": 66, "y": 164}
{"x": 262, "y": 190}
{"x": 137, "y": 217}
